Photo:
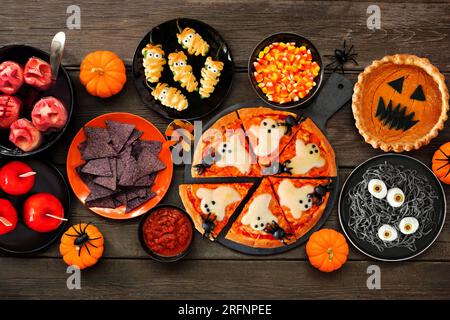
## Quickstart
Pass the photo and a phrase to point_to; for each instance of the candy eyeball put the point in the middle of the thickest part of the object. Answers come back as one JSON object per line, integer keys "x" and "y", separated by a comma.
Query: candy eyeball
{"x": 408, "y": 225}
{"x": 149, "y": 54}
{"x": 157, "y": 55}
{"x": 387, "y": 233}
{"x": 377, "y": 188}
{"x": 395, "y": 197}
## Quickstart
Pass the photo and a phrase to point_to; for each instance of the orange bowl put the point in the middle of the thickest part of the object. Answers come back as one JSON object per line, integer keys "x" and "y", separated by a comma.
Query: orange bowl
{"x": 150, "y": 132}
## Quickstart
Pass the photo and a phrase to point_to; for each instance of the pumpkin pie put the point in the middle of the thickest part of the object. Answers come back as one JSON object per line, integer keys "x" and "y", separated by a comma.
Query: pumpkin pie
{"x": 400, "y": 103}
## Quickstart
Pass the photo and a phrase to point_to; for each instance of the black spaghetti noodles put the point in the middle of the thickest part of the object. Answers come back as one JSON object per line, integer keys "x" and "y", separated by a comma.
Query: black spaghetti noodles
{"x": 368, "y": 214}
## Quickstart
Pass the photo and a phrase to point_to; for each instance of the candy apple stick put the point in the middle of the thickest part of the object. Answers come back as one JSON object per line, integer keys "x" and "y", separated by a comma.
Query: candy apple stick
{"x": 55, "y": 217}
{"x": 27, "y": 174}
{"x": 5, "y": 222}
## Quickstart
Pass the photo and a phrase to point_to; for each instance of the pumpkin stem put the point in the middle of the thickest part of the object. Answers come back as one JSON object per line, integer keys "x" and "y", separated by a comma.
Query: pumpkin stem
{"x": 100, "y": 71}
{"x": 330, "y": 254}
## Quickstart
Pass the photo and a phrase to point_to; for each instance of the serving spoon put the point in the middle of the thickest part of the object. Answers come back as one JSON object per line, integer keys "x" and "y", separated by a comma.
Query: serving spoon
{"x": 56, "y": 53}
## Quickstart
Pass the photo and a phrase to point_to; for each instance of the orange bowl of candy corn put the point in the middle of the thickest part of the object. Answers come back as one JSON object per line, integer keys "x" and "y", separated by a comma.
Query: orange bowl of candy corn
{"x": 286, "y": 70}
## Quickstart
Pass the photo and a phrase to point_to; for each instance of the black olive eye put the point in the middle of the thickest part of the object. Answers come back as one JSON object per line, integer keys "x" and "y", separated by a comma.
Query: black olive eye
{"x": 269, "y": 131}
{"x": 301, "y": 201}
{"x": 274, "y": 126}
{"x": 259, "y": 218}
{"x": 264, "y": 123}
{"x": 262, "y": 225}
{"x": 213, "y": 202}
{"x": 206, "y": 206}
{"x": 256, "y": 226}
{"x": 310, "y": 152}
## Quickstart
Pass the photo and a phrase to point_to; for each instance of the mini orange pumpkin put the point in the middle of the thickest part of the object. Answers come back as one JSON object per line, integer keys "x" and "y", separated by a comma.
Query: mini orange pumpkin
{"x": 103, "y": 73}
{"x": 440, "y": 164}
{"x": 82, "y": 245}
{"x": 327, "y": 250}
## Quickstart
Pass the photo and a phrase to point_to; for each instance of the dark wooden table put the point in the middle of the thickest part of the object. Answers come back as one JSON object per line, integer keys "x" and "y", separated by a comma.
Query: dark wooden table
{"x": 212, "y": 271}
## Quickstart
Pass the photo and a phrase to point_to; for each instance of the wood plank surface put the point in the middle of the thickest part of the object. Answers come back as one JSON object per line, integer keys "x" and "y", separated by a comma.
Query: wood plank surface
{"x": 212, "y": 271}
{"x": 419, "y": 28}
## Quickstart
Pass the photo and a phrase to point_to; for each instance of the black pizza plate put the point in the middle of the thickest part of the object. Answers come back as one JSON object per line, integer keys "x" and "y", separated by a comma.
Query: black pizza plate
{"x": 393, "y": 254}
{"x": 62, "y": 89}
{"x": 336, "y": 92}
{"x": 22, "y": 240}
{"x": 165, "y": 35}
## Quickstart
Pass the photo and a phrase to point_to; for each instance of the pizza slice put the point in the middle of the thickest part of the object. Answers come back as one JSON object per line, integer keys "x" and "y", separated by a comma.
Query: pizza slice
{"x": 268, "y": 131}
{"x": 308, "y": 154}
{"x": 223, "y": 151}
{"x": 261, "y": 224}
{"x": 303, "y": 201}
{"x": 211, "y": 205}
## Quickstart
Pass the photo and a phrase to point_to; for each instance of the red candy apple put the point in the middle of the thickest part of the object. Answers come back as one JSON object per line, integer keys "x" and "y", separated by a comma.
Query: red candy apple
{"x": 38, "y": 73}
{"x": 43, "y": 212}
{"x": 8, "y": 217}
{"x": 24, "y": 135}
{"x": 9, "y": 110}
{"x": 49, "y": 113}
{"x": 11, "y": 77}
{"x": 16, "y": 178}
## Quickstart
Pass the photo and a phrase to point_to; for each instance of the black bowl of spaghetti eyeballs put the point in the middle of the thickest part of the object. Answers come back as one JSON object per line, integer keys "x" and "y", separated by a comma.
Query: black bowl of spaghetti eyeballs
{"x": 392, "y": 207}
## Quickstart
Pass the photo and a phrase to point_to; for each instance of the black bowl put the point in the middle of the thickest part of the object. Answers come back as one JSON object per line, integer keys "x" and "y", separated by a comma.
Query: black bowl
{"x": 165, "y": 35}
{"x": 396, "y": 253}
{"x": 23, "y": 240}
{"x": 154, "y": 255}
{"x": 62, "y": 90}
{"x": 299, "y": 41}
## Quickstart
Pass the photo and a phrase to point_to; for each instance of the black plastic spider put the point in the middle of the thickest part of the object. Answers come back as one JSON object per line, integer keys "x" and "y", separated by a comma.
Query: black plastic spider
{"x": 82, "y": 238}
{"x": 278, "y": 232}
{"x": 207, "y": 162}
{"x": 319, "y": 192}
{"x": 341, "y": 57}
{"x": 284, "y": 168}
{"x": 208, "y": 225}
{"x": 291, "y": 122}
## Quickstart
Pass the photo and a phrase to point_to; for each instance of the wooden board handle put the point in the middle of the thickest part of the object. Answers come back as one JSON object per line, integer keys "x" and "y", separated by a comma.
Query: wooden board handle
{"x": 335, "y": 93}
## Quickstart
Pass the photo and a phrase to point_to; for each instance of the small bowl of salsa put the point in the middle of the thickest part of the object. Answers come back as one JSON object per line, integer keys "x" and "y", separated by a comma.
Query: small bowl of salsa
{"x": 166, "y": 233}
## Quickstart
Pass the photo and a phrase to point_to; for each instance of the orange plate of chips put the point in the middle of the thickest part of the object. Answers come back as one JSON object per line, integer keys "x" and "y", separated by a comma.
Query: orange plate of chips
{"x": 149, "y": 132}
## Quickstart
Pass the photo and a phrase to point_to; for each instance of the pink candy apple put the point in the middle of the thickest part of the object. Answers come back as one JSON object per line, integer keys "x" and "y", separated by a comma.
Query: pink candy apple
{"x": 49, "y": 113}
{"x": 11, "y": 77}
{"x": 24, "y": 135}
{"x": 10, "y": 108}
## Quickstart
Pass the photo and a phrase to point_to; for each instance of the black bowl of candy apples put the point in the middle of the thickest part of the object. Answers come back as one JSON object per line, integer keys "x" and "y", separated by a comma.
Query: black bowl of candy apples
{"x": 34, "y": 110}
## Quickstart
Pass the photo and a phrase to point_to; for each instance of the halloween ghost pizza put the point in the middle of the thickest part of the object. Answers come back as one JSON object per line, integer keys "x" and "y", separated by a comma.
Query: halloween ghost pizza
{"x": 224, "y": 151}
{"x": 261, "y": 223}
{"x": 286, "y": 170}
{"x": 400, "y": 103}
{"x": 211, "y": 205}
{"x": 302, "y": 200}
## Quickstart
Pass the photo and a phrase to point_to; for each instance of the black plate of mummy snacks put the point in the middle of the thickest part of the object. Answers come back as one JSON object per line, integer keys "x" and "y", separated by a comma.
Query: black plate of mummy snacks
{"x": 392, "y": 207}
{"x": 285, "y": 69}
{"x": 34, "y": 205}
{"x": 34, "y": 112}
{"x": 183, "y": 69}
{"x": 254, "y": 206}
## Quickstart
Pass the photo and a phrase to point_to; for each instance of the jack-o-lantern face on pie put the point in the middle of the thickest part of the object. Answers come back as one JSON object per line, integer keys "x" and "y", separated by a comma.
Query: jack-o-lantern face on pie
{"x": 400, "y": 103}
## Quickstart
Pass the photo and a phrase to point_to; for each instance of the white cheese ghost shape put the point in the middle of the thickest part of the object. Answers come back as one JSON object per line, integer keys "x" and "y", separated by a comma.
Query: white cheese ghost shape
{"x": 296, "y": 199}
{"x": 259, "y": 214}
{"x": 233, "y": 154}
{"x": 269, "y": 134}
{"x": 215, "y": 201}
{"x": 306, "y": 157}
